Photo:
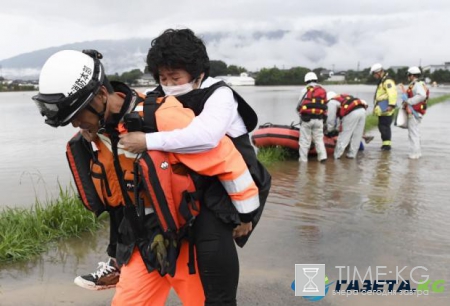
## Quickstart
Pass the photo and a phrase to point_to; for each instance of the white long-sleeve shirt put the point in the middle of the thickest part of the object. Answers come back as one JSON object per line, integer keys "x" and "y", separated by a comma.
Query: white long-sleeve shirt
{"x": 332, "y": 118}
{"x": 419, "y": 93}
{"x": 219, "y": 117}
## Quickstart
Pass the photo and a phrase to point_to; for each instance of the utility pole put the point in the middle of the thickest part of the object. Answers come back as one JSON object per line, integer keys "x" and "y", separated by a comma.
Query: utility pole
{"x": 357, "y": 67}
{"x": 333, "y": 67}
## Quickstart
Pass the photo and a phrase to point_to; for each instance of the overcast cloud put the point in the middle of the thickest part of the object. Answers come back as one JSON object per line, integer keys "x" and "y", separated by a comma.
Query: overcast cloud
{"x": 322, "y": 33}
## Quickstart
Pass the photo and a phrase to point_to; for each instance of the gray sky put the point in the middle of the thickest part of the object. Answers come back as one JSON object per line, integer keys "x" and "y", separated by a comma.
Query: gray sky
{"x": 388, "y": 31}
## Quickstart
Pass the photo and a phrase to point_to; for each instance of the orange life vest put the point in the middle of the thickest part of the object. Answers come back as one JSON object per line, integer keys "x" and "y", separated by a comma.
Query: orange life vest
{"x": 314, "y": 102}
{"x": 422, "y": 106}
{"x": 170, "y": 193}
{"x": 80, "y": 156}
{"x": 348, "y": 104}
{"x": 223, "y": 161}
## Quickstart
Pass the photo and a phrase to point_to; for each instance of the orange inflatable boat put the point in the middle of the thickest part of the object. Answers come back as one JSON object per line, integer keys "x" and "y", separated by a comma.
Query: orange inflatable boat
{"x": 272, "y": 135}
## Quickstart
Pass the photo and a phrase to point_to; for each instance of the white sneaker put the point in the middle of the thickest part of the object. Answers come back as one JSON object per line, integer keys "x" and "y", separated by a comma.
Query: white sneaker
{"x": 106, "y": 277}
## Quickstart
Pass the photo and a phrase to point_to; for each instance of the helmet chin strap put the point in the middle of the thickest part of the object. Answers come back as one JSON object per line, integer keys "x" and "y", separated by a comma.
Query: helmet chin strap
{"x": 100, "y": 115}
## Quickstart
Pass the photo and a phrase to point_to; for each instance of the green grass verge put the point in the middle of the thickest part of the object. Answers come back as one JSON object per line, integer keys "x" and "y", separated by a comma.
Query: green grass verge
{"x": 26, "y": 232}
{"x": 268, "y": 156}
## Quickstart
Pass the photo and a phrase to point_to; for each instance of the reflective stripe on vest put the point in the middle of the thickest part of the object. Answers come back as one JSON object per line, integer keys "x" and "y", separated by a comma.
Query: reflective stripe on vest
{"x": 223, "y": 161}
{"x": 314, "y": 101}
{"x": 348, "y": 104}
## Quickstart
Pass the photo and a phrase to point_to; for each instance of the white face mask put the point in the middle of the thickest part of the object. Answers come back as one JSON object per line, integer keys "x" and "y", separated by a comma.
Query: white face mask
{"x": 178, "y": 90}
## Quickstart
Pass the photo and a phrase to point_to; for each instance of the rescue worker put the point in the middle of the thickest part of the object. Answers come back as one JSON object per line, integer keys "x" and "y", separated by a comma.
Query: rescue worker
{"x": 312, "y": 109}
{"x": 179, "y": 61}
{"x": 384, "y": 103}
{"x": 415, "y": 102}
{"x": 351, "y": 112}
{"x": 73, "y": 88}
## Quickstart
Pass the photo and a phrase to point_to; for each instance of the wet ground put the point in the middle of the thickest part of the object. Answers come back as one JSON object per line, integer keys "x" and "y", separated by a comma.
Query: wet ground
{"x": 381, "y": 209}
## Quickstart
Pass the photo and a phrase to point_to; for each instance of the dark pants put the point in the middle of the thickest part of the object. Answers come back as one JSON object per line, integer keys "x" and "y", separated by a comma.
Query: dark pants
{"x": 384, "y": 126}
{"x": 217, "y": 258}
{"x": 115, "y": 218}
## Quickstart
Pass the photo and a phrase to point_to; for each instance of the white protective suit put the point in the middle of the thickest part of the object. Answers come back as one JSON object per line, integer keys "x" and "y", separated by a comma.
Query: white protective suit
{"x": 419, "y": 95}
{"x": 311, "y": 131}
{"x": 352, "y": 128}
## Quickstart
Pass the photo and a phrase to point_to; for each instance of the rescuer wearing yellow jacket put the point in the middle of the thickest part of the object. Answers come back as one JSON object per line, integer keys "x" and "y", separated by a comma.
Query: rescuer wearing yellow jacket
{"x": 73, "y": 89}
{"x": 384, "y": 104}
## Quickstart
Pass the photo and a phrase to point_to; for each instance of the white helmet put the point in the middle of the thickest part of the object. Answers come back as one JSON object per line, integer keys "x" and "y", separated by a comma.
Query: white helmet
{"x": 376, "y": 68}
{"x": 68, "y": 82}
{"x": 331, "y": 95}
{"x": 310, "y": 76}
{"x": 414, "y": 70}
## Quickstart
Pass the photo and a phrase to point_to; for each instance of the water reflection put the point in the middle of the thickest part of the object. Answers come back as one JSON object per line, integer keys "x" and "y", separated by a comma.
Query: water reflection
{"x": 380, "y": 195}
{"x": 409, "y": 197}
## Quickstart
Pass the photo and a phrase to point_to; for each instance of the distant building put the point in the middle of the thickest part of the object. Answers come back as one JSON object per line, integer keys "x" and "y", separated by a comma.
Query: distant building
{"x": 433, "y": 68}
{"x": 146, "y": 80}
{"x": 325, "y": 73}
{"x": 233, "y": 80}
{"x": 337, "y": 77}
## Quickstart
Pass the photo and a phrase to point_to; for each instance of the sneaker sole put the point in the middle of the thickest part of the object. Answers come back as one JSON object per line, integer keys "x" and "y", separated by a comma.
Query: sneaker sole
{"x": 79, "y": 281}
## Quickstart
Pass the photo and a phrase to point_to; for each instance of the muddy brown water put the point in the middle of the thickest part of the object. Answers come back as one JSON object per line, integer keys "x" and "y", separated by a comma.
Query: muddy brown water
{"x": 381, "y": 209}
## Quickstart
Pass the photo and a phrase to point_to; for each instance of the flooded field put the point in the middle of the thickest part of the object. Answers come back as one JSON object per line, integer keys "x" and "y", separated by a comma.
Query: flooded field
{"x": 380, "y": 209}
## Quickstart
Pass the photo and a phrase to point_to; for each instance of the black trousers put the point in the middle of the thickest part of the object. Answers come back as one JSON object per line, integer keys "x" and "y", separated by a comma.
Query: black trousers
{"x": 115, "y": 218}
{"x": 384, "y": 126}
{"x": 217, "y": 258}
{"x": 216, "y": 255}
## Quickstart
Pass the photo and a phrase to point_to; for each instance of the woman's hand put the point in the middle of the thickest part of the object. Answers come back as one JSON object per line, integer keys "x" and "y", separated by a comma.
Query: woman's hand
{"x": 242, "y": 230}
{"x": 134, "y": 142}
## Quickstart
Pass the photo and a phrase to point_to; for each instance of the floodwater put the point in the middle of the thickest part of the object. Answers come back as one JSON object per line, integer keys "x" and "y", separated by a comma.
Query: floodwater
{"x": 380, "y": 210}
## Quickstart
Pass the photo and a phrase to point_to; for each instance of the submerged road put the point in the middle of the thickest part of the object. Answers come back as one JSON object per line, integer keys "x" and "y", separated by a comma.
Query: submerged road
{"x": 381, "y": 209}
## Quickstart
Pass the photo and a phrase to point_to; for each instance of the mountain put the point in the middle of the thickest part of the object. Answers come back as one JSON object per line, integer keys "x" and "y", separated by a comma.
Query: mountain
{"x": 118, "y": 56}
{"x": 252, "y": 50}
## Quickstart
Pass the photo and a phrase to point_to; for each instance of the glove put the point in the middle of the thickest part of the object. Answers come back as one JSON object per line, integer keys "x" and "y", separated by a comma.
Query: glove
{"x": 404, "y": 97}
{"x": 159, "y": 247}
{"x": 332, "y": 133}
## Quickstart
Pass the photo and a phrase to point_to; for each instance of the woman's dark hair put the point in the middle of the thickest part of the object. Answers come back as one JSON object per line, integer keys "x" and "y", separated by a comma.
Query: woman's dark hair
{"x": 178, "y": 49}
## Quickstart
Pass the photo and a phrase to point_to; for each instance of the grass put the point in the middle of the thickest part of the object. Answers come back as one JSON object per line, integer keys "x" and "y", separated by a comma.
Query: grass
{"x": 268, "y": 156}
{"x": 26, "y": 232}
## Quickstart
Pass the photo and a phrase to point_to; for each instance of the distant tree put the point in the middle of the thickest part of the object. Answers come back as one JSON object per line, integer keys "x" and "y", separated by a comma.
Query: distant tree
{"x": 441, "y": 76}
{"x": 217, "y": 68}
{"x": 2, "y": 78}
{"x": 128, "y": 77}
{"x": 114, "y": 77}
{"x": 295, "y": 76}
{"x": 275, "y": 76}
{"x": 268, "y": 76}
{"x": 426, "y": 73}
{"x": 401, "y": 76}
{"x": 235, "y": 70}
